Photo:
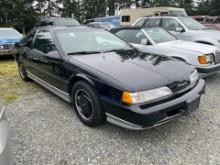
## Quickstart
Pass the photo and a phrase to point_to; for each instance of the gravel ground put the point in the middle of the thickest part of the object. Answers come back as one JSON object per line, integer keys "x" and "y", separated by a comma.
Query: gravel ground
{"x": 45, "y": 130}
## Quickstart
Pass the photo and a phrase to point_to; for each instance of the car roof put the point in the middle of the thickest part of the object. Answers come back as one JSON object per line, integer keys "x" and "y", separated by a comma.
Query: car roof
{"x": 60, "y": 28}
{"x": 160, "y": 17}
{"x": 99, "y": 23}
{"x": 6, "y": 28}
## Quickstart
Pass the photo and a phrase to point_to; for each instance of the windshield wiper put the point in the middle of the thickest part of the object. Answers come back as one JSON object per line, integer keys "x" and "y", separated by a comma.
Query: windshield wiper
{"x": 113, "y": 50}
{"x": 84, "y": 52}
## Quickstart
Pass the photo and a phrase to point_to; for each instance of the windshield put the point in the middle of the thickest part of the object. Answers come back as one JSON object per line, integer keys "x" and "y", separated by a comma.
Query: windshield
{"x": 192, "y": 24}
{"x": 9, "y": 32}
{"x": 177, "y": 13}
{"x": 89, "y": 40}
{"x": 66, "y": 22}
{"x": 159, "y": 35}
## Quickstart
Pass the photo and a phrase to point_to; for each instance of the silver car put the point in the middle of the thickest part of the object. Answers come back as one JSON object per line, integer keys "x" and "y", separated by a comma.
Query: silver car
{"x": 205, "y": 58}
{"x": 5, "y": 152}
{"x": 185, "y": 28}
{"x": 103, "y": 25}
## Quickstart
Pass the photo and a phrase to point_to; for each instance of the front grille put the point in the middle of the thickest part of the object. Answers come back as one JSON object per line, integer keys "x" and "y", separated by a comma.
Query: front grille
{"x": 217, "y": 57}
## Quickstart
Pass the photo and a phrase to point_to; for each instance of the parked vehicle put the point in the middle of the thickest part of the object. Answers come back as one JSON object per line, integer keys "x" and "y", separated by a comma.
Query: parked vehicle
{"x": 213, "y": 26}
{"x": 58, "y": 21}
{"x": 185, "y": 28}
{"x": 205, "y": 58}
{"x": 114, "y": 20}
{"x": 107, "y": 79}
{"x": 103, "y": 25}
{"x": 5, "y": 150}
{"x": 128, "y": 17}
{"x": 209, "y": 21}
{"x": 8, "y": 37}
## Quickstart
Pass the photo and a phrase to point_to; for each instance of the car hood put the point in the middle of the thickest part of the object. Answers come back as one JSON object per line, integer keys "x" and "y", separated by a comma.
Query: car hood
{"x": 185, "y": 46}
{"x": 137, "y": 71}
{"x": 9, "y": 40}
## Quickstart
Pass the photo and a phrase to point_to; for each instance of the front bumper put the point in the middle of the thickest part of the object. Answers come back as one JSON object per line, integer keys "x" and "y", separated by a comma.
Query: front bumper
{"x": 139, "y": 117}
{"x": 208, "y": 70}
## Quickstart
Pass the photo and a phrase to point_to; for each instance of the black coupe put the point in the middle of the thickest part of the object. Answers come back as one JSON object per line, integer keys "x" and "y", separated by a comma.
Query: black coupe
{"x": 105, "y": 78}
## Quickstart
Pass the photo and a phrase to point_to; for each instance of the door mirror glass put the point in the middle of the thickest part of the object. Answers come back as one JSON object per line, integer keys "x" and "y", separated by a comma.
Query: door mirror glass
{"x": 179, "y": 29}
{"x": 144, "y": 41}
{"x": 53, "y": 55}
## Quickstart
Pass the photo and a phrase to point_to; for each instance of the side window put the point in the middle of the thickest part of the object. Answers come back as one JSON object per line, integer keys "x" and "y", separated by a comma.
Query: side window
{"x": 140, "y": 22}
{"x": 125, "y": 18}
{"x": 170, "y": 24}
{"x": 44, "y": 42}
{"x": 131, "y": 36}
{"x": 28, "y": 40}
{"x": 154, "y": 22}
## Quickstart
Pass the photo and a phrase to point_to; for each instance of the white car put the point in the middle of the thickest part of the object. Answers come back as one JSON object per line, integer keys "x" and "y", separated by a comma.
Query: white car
{"x": 205, "y": 58}
{"x": 5, "y": 146}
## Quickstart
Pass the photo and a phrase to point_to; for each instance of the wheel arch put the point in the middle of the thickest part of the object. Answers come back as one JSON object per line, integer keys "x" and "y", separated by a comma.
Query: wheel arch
{"x": 79, "y": 77}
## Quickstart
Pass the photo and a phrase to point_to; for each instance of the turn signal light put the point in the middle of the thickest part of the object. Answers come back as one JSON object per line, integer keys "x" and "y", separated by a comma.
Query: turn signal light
{"x": 127, "y": 98}
{"x": 202, "y": 59}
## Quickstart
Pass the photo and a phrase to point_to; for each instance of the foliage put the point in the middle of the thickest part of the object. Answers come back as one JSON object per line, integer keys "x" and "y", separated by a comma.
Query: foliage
{"x": 22, "y": 14}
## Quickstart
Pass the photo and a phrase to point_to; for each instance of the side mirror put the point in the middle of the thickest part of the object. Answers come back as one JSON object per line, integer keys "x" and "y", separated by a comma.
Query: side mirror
{"x": 53, "y": 55}
{"x": 18, "y": 44}
{"x": 144, "y": 41}
{"x": 179, "y": 29}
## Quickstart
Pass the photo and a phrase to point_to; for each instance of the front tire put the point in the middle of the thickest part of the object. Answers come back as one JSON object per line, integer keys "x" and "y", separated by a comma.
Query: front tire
{"x": 87, "y": 104}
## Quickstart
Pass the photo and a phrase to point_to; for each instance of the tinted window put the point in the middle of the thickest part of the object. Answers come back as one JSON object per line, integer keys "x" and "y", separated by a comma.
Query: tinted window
{"x": 170, "y": 24}
{"x": 125, "y": 18}
{"x": 131, "y": 35}
{"x": 154, "y": 22}
{"x": 44, "y": 42}
{"x": 140, "y": 23}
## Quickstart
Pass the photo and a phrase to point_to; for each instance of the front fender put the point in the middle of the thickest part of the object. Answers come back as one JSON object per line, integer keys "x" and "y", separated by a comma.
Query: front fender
{"x": 77, "y": 77}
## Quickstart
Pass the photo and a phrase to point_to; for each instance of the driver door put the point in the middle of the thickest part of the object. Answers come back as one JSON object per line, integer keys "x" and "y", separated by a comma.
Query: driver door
{"x": 46, "y": 61}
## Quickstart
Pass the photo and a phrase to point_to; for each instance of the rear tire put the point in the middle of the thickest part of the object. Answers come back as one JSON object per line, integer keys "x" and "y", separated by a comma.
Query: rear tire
{"x": 22, "y": 70}
{"x": 87, "y": 104}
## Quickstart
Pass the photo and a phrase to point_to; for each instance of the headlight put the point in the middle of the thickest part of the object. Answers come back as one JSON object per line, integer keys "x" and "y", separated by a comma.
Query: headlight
{"x": 1, "y": 47}
{"x": 205, "y": 59}
{"x": 194, "y": 77}
{"x": 146, "y": 96}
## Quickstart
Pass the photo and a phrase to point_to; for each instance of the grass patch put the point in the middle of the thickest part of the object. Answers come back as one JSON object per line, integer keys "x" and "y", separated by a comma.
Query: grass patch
{"x": 11, "y": 83}
{"x": 11, "y": 97}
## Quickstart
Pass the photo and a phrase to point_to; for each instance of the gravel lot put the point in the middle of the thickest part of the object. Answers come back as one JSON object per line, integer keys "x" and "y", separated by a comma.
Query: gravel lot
{"x": 45, "y": 130}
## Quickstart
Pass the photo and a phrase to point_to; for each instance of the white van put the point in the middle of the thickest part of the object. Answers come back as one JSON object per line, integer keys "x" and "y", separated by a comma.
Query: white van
{"x": 128, "y": 17}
